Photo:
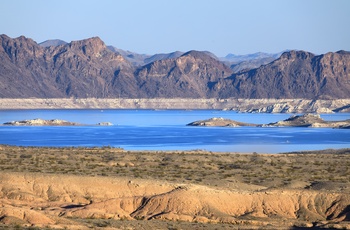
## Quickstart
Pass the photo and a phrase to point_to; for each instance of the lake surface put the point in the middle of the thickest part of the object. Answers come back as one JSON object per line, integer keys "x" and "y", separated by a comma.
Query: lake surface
{"x": 167, "y": 130}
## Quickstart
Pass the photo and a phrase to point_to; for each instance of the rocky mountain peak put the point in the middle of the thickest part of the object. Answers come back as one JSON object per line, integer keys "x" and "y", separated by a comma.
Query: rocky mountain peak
{"x": 194, "y": 53}
{"x": 18, "y": 48}
{"x": 202, "y": 63}
{"x": 343, "y": 52}
{"x": 194, "y": 56}
{"x": 90, "y": 47}
{"x": 25, "y": 39}
{"x": 297, "y": 54}
{"x": 21, "y": 41}
{"x": 339, "y": 54}
{"x": 4, "y": 36}
{"x": 205, "y": 55}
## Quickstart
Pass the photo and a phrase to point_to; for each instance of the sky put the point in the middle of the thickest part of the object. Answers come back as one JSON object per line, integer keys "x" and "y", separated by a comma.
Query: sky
{"x": 163, "y": 26}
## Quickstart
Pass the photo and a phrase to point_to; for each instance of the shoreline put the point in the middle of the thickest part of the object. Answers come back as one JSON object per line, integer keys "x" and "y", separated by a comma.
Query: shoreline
{"x": 193, "y": 151}
{"x": 239, "y": 105}
{"x": 178, "y": 151}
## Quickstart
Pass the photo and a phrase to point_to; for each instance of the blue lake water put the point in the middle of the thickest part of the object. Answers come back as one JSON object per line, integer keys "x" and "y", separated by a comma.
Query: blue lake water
{"x": 167, "y": 130}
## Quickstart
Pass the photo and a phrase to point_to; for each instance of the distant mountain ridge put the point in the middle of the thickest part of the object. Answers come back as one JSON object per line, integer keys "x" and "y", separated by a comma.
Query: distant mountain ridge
{"x": 233, "y": 58}
{"x": 134, "y": 58}
{"x": 162, "y": 56}
{"x": 89, "y": 68}
{"x": 53, "y": 42}
{"x": 236, "y": 62}
{"x": 240, "y": 63}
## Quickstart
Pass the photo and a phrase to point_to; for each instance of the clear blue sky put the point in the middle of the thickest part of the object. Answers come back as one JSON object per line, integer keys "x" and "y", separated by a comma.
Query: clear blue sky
{"x": 161, "y": 26}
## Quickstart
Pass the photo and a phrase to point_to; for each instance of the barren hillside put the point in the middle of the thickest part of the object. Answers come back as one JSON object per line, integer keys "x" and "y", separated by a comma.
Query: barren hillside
{"x": 81, "y": 188}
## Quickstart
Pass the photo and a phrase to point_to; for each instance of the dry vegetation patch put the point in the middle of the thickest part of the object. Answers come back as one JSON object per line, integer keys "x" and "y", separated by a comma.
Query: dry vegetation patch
{"x": 225, "y": 170}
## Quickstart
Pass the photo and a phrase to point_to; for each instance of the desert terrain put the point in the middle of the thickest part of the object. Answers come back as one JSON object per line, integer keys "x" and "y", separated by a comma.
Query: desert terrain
{"x": 111, "y": 188}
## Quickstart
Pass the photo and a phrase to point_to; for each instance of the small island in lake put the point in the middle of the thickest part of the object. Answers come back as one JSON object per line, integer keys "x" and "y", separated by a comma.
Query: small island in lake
{"x": 310, "y": 120}
{"x": 42, "y": 122}
{"x": 219, "y": 122}
{"x": 52, "y": 122}
{"x": 306, "y": 120}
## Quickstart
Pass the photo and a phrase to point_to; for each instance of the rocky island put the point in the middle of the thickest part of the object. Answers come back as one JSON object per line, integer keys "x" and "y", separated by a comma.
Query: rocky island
{"x": 310, "y": 120}
{"x": 306, "y": 120}
{"x": 42, "y": 122}
{"x": 52, "y": 122}
{"x": 219, "y": 122}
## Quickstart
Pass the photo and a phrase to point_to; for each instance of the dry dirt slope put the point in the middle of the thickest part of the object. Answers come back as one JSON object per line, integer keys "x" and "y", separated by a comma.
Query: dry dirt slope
{"x": 101, "y": 187}
{"x": 56, "y": 200}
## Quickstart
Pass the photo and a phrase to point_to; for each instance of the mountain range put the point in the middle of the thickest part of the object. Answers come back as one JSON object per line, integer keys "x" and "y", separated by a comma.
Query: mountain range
{"x": 90, "y": 68}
